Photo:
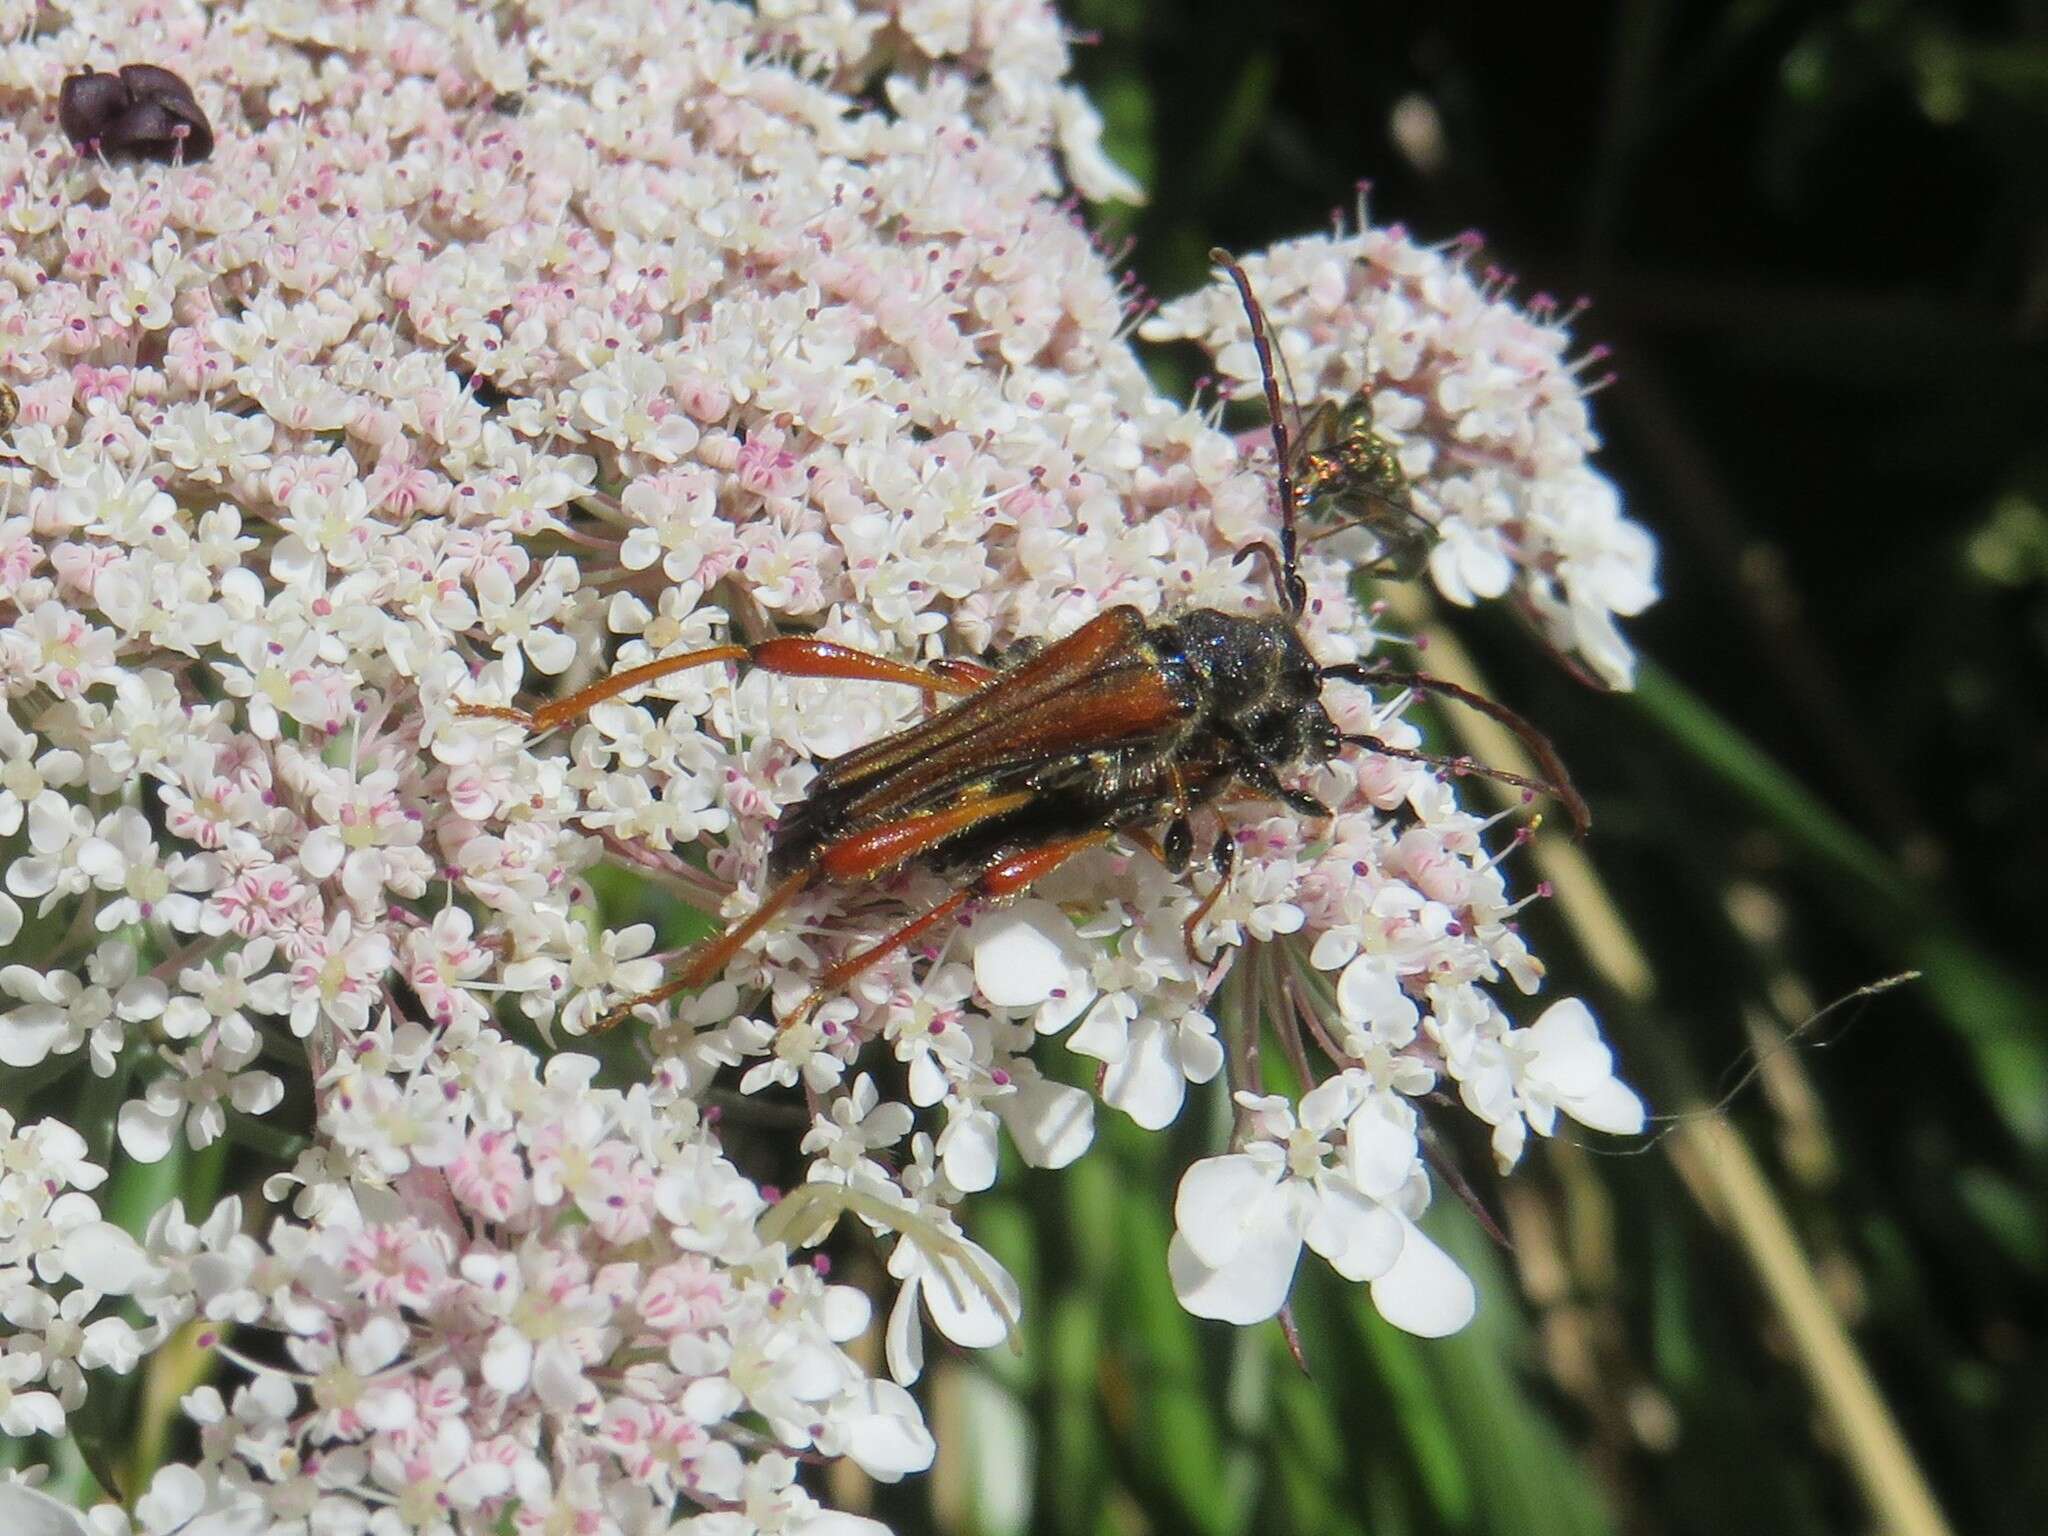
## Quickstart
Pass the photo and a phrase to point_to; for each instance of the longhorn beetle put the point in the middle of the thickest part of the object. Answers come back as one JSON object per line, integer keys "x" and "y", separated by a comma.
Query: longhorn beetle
{"x": 1120, "y": 726}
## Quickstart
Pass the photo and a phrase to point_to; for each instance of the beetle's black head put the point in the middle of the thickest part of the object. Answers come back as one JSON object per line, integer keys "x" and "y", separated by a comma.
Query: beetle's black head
{"x": 1261, "y": 686}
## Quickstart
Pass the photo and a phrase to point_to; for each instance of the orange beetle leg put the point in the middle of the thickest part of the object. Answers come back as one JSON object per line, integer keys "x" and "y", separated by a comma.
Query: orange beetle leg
{"x": 788, "y": 656}
{"x": 707, "y": 961}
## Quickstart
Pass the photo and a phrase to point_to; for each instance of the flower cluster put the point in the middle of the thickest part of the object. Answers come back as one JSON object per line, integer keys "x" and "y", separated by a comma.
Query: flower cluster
{"x": 59, "y": 1261}
{"x": 553, "y": 1263}
{"x": 1484, "y": 407}
{"x": 496, "y": 348}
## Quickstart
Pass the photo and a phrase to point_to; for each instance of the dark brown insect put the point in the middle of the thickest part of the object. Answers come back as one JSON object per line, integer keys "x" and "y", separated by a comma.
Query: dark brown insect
{"x": 143, "y": 110}
{"x": 1121, "y": 726}
{"x": 10, "y": 406}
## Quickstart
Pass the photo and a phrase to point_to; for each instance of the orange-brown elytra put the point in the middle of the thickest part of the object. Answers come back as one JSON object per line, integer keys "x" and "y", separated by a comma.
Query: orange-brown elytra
{"x": 1119, "y": 726}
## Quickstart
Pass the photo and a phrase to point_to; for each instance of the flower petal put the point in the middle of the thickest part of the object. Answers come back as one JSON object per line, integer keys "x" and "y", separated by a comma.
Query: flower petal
{"x": 1148, "y": 1084}
{"x": 1425, "y": 1293}
{"x": 1613, "y": 1106}
{"x": 102, "y": 1257}
{"x": 973, "y": 1300}
{"x": 826, "y": 1522}
{"x": 1370, "y": 995}
{"x": 176, "y": 1494}
{"x": 1361, "y": 1238}
{"x": 967, "y": 1149}
{"x": 27, "y": 1035}
{"x": 887, "y": 1434}
{"x": 1571, "y": 1056}
{"x": 1382, "y": 1150}
{"x": 1019, "y": 959}
{"x": 711, "y": 1399}
{"x": 508, "y": 1360}
{"x": 1052, "y": 1123}
{"x": 1220, "y": 1204}
{"x": 1252, "y": 1287}
{"x": 26, "y": 1512}
{"x": 904, "y": 1346}
{"x": 320, "y": 855}
{"x": 845, "y": 1313}
{"x": 1106, "y": 1033}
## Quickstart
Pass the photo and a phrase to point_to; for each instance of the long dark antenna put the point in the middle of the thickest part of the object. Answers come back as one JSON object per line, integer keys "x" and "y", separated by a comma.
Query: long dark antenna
{"x": 1556, "y": 782}
{"x": 1293, "y": 590}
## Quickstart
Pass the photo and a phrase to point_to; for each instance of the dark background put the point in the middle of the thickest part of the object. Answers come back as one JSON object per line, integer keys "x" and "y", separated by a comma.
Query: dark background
{"x": 1816, "y": 241}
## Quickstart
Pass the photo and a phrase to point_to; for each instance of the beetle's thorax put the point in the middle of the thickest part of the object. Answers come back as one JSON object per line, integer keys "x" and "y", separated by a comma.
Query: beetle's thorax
{"x": 1256, "y": 683}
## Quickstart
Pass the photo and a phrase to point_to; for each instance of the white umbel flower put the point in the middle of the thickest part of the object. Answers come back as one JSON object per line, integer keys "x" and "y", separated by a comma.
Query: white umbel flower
{"x": 1241, "y": 1220}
